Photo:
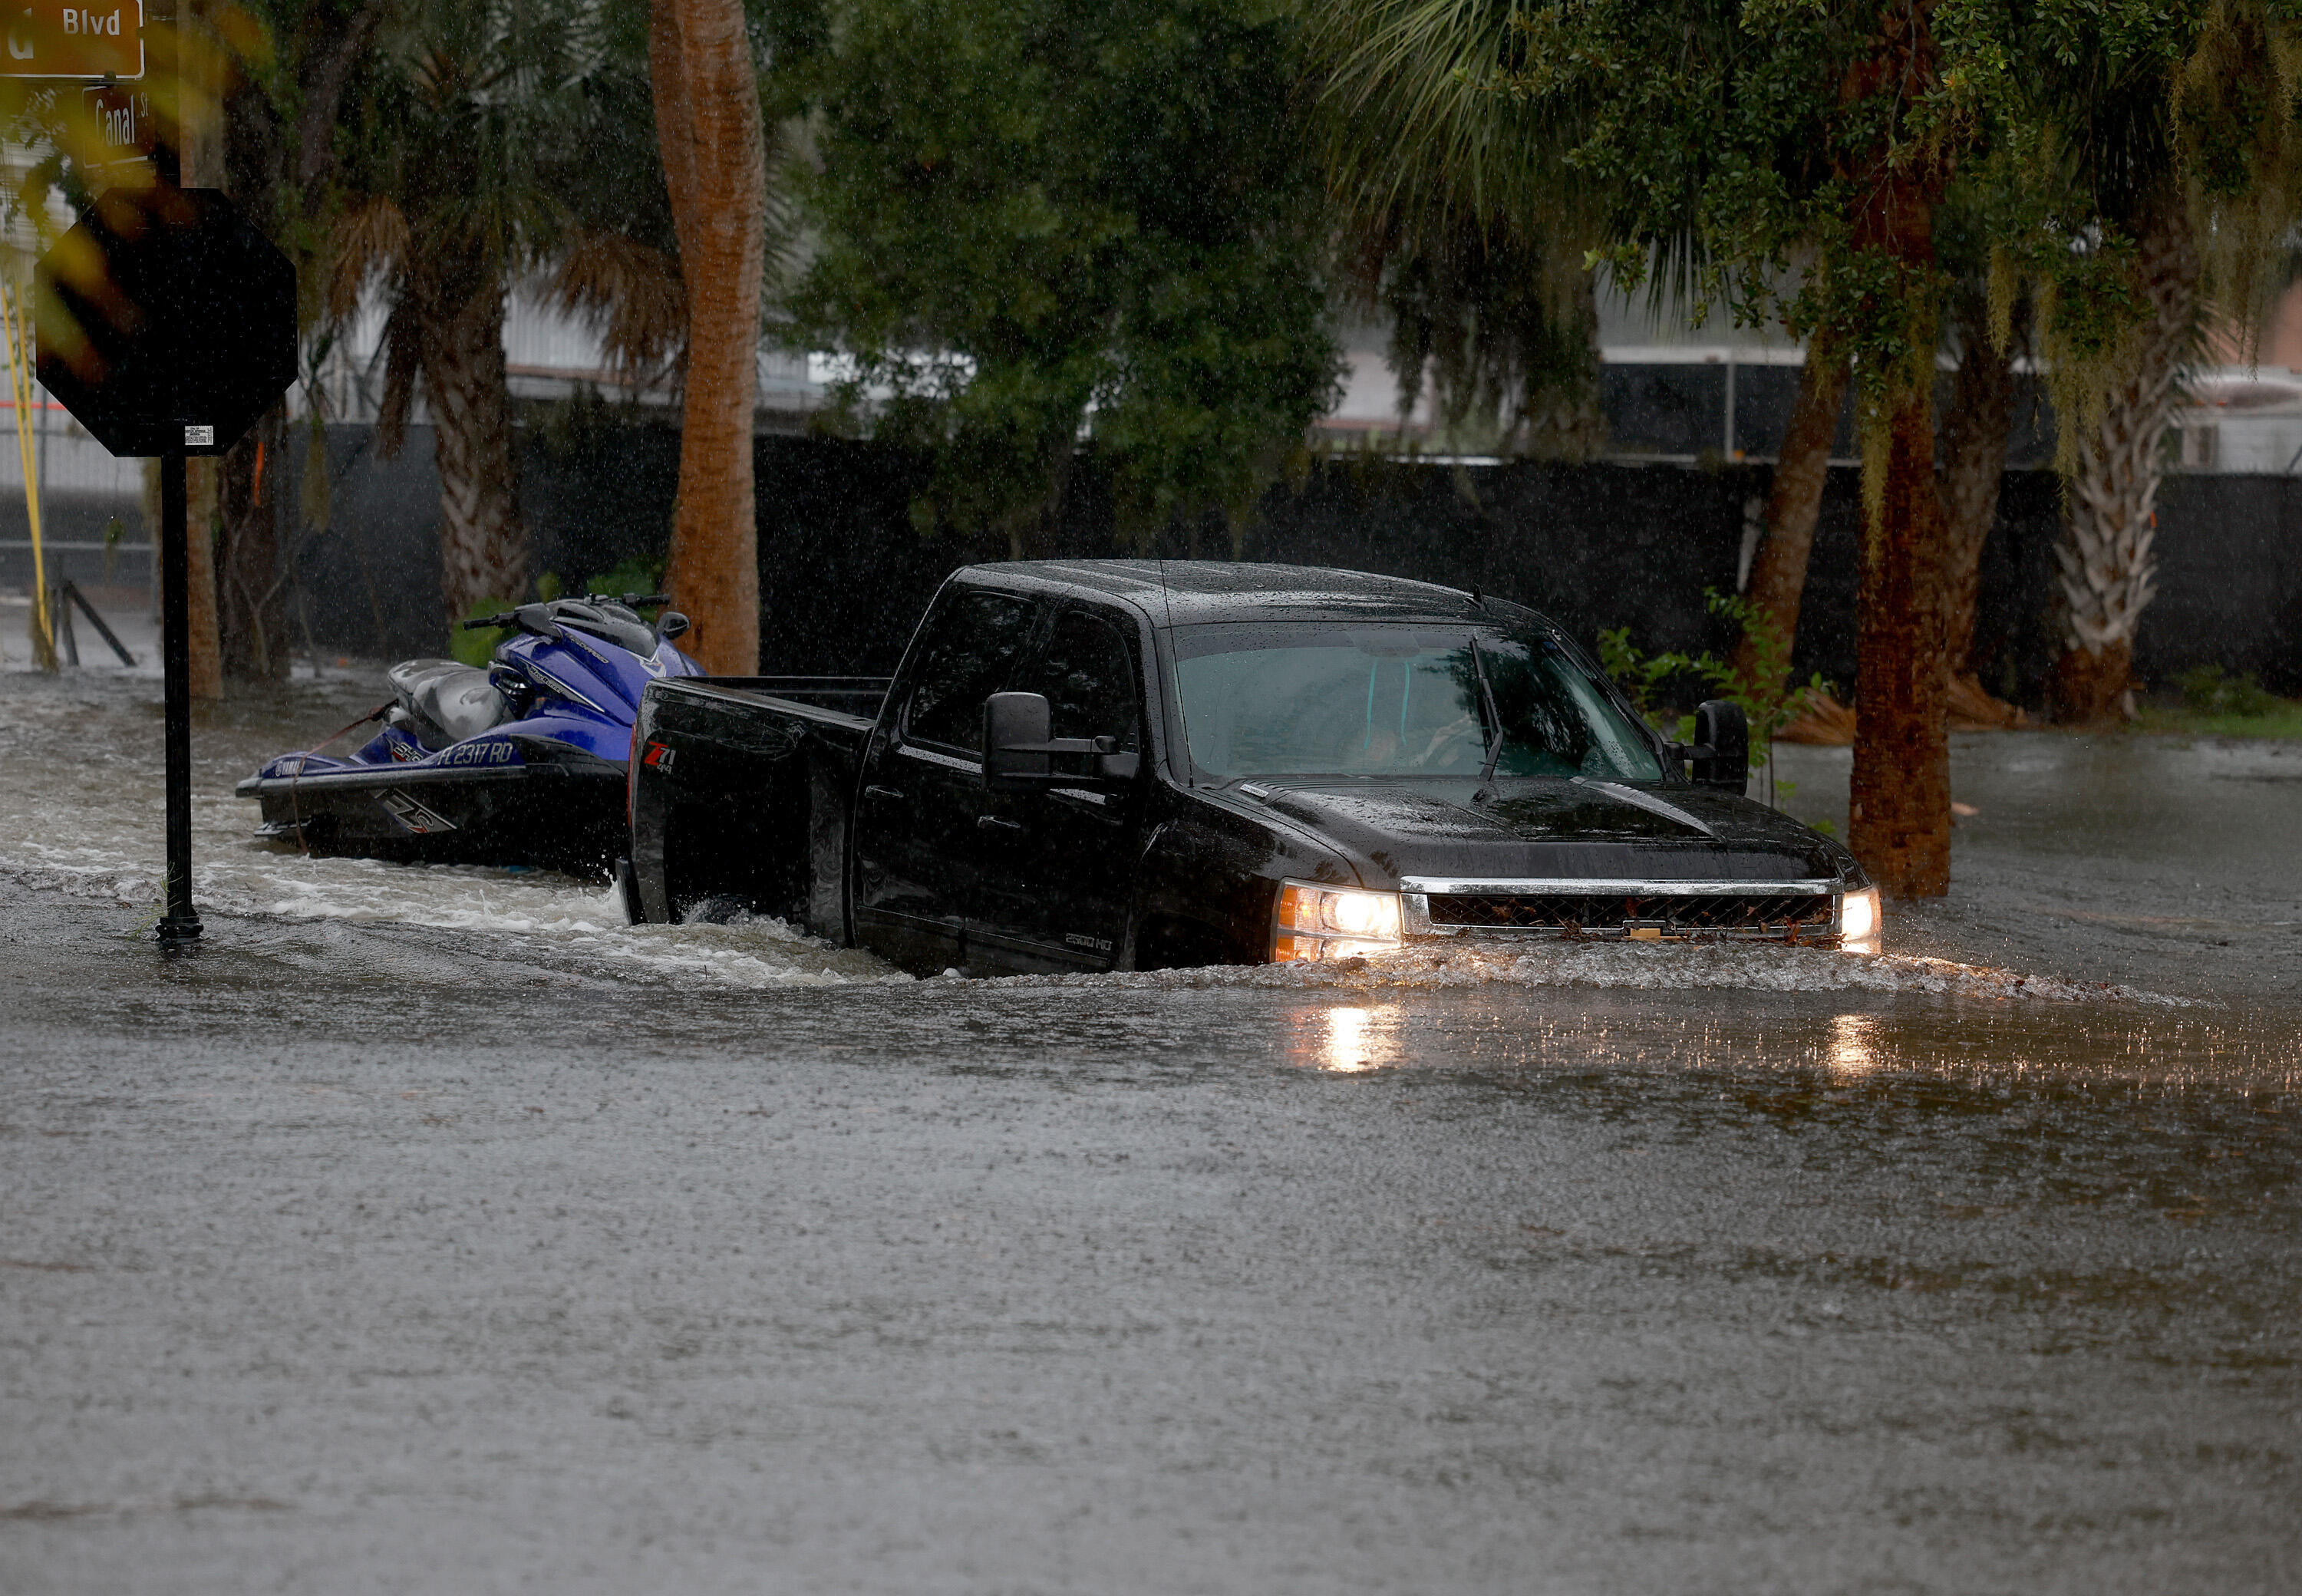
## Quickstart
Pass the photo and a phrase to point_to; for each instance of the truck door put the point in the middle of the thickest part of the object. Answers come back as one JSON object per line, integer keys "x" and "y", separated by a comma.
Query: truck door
{"x": 916, "y": 837}
{"x": 1057, "y": 867}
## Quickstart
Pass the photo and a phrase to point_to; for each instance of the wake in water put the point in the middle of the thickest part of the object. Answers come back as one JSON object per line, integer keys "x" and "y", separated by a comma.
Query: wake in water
{"x": 1761, "y": 967}
{"x": 79, "y": 782}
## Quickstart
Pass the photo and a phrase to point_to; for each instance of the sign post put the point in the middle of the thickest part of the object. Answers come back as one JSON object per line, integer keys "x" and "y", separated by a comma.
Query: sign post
{"x": 167, "y": 326}
{"x": 180, "y": 922}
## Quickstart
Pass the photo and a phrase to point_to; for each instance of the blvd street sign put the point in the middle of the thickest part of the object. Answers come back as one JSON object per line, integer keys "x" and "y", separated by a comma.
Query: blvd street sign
{"x": 167, "y": 323}
{"x": 48, "y": 39}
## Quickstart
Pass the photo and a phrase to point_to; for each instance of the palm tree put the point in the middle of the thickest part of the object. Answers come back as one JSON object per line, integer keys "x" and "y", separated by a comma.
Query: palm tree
{"x": 1469, "y": 230}
{"x": 2172, "y": 172}
{"x": 2105, "y": 575}
{"x": 465, "y": 169}
{"x": 1458, "y": 221}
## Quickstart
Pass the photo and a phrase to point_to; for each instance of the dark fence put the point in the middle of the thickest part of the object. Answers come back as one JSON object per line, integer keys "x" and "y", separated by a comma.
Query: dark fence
{"x": 844, "y": 574}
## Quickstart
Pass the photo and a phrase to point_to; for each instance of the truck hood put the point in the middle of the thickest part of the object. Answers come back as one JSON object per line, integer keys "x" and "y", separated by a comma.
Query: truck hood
{"x": 1557, "y": 828}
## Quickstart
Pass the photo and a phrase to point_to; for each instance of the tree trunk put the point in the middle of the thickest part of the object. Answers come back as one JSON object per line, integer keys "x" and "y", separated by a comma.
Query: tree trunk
{"x": 707, "y": 111}
{"x": 1899, "y": 824}
{"x": 482, "y": 544}
{"x": 251, "y": 593}
{"x": 199, "y": 61}
{"x": 2105, "y": 576}
{"x": 1981, "y": 418}
{"x": 203, "y": 655}
{"x": 246, "y": 159}
{"x": 1899, "y": 818}
{"x": 1778, "y": 570}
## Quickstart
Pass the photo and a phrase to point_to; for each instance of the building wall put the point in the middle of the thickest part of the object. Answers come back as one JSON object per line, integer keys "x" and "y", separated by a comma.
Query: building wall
{"x": 844, "y": 574}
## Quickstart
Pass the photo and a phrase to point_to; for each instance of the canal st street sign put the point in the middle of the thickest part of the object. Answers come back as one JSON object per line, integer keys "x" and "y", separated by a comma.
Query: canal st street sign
{"x": 123, "y": 121}
{"x": 167, "y": 323}
{"x": 46, "y": 39}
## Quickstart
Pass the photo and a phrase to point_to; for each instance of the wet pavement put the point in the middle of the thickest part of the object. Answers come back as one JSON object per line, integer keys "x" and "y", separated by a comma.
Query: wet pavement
{"x": 430, "y": 1230}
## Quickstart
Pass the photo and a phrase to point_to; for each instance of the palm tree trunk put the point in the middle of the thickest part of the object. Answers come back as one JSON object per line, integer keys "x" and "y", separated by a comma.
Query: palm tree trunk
{"x": 1777, "y": 582}
{"x": 1899, "y": 793}
{"x": 2105, "y": 576}
{"x": 1899, "y": 813}
{"x": 1981, "y": 418}
{"x": 482, "y": 544}
{"x": 204, "y": 654}
{"x": 707, "y": 111}
{"x": 251, "y": 598}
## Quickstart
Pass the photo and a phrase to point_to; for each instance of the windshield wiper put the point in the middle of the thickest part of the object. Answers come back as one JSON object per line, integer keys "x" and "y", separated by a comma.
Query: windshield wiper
{"x": 1494, "y": 715}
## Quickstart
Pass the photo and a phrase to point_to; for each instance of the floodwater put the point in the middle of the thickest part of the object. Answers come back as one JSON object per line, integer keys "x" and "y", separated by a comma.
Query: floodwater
{"x": 430, "y": 1230}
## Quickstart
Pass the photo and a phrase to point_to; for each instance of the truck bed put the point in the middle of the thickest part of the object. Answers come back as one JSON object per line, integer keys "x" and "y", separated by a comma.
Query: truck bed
{"x": 740, "y": 788}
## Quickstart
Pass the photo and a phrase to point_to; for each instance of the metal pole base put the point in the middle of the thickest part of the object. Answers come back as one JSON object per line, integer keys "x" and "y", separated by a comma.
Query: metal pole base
{"x": 179, "y": 930}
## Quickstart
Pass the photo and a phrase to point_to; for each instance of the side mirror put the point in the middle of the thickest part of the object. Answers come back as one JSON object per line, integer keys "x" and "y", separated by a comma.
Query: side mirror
{"x": 671, "y": 624}
{"x": 1018, "y": 754}
{"x": 1015, "y": 741}
{"x": 1722, "y": 736}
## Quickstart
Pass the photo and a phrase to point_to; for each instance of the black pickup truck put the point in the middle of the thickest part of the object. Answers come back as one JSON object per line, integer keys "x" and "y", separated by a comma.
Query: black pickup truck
{"x": 1099, "y": 764}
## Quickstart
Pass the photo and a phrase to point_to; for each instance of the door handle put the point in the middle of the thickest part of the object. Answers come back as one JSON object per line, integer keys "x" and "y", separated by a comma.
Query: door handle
{"x": 993, "y": 823}
{"x": 889, "y": 794}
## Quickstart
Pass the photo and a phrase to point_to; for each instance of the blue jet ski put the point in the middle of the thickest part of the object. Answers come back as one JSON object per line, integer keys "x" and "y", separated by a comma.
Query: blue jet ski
{"x": 521, "y": 763}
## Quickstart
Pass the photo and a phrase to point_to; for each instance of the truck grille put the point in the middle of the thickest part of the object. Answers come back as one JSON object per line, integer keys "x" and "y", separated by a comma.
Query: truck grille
{"x": 1678, "y": 914}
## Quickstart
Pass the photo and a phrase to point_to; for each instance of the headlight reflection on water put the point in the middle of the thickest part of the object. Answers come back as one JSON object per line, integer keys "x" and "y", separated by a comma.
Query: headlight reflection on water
{"x": 1349, "y": 1039}
{"x": 1849, "y": 1050}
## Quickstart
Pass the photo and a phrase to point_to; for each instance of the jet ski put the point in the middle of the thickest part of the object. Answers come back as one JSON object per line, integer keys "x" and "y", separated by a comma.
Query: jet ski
{"x": 522, "y": 763}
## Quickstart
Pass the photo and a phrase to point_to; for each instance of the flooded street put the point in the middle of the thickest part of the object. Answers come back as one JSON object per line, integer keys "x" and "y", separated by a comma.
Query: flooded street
{"x": 430, "y": 1229}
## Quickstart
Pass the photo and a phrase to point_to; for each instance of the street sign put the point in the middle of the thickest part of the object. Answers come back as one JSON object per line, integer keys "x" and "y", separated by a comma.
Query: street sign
{"x": 48, "y": 39}
{"x": 124, "y": 128}
{"x": 167, "y": 323}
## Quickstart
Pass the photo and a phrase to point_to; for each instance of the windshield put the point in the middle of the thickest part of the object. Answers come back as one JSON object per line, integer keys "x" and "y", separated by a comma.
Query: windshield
{"x": 1313, "y": 698}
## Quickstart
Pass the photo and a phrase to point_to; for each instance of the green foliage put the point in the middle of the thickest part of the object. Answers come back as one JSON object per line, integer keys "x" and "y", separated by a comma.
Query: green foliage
{"x": 1744, "y": 148}
{"x": 1643, "y": 677}
{"x": 640, "y": 574}
{"x": 1459, "y": 221}
{"x": 1041, "y": 217}
{"x": 477, "y": 648}
{"x": 2209, "y": 690}
{"x": 489, "y": 124}
{"x": 1768, "y": 700}
{"x": 1509, "y": 349}
{"x": 1735, "y": 145}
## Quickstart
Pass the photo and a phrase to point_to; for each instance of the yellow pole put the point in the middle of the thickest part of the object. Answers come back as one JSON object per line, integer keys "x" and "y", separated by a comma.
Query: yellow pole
{"x": 12, "y": 313}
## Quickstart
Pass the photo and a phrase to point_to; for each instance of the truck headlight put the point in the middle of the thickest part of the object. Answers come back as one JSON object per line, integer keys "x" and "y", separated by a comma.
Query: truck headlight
{"x": 1858, "y": 915}
{"x": 1329, "y": 923}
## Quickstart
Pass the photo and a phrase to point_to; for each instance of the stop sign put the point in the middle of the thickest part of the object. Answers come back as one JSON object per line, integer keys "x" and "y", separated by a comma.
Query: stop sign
{"x": 167, "y": 323}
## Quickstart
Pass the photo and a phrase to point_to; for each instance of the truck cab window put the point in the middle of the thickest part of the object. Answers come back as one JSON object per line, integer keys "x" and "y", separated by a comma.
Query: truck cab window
{"x": 1088, "y": 681}
{"x": 971, "y": 644}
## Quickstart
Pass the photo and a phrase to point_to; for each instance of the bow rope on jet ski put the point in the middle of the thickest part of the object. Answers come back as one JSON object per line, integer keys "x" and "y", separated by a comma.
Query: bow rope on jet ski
{"x": 295, "y": 811}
